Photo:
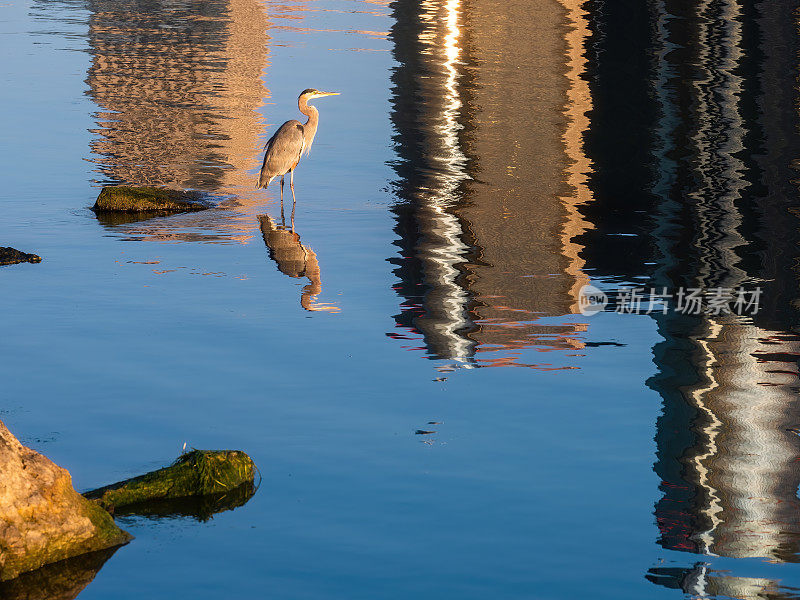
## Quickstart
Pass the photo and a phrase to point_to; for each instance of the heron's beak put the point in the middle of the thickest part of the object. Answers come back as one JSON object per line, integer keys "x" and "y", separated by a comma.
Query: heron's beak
{"x": 321, "y": 94}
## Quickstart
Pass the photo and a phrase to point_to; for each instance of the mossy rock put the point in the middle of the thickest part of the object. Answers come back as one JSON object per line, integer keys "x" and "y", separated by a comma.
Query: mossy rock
{"x": 195, "y": 473}
{"x": 123, "y": 198}
{"x": 59, "y": 544}
{"x": 12, "y": 256}
{"x": 42, "y": 518}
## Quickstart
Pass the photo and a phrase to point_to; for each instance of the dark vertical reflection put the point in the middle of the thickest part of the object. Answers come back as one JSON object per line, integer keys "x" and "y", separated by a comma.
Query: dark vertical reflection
{"x": 617, "y": 247}
{"x": 488, "y": 108}
{"x": 433, "y": 239}
{"x": 694, "y": 138}
{"x": 429, "y": 115}
{"x": 737, "y": 491}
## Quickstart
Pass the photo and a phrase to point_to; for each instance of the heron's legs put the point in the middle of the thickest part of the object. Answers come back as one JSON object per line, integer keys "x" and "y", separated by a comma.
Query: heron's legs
{"x": 283, "y": 220}
{"x": 294, "y": 200}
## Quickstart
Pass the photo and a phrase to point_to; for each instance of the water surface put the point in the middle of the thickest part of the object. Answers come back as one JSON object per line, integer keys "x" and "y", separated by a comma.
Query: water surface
{"x": 484, "y": 161}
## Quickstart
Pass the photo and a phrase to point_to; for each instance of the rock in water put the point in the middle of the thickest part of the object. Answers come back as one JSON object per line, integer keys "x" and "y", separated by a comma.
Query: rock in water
{"x": 42, "y": 518}
{"x": 123, "y": 198}
{"x": 196, "y": 473}
{"x": 12, "y": 256}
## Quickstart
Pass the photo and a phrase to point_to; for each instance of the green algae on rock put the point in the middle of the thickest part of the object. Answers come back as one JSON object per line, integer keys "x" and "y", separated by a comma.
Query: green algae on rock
{"x": 12, "y": 256}
{"x": 195, "y": 473}
{"x": 123, "y": 198}
{"x": 42, "y": 518}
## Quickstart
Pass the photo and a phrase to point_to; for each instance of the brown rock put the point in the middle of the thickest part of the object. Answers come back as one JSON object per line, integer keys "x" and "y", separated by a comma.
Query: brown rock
{"x": 12, "y": 256}
{"x": 42, "y": 518}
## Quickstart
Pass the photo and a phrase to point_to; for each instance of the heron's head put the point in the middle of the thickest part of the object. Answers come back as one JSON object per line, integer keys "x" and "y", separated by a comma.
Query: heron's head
{"x": 312, "y": 93}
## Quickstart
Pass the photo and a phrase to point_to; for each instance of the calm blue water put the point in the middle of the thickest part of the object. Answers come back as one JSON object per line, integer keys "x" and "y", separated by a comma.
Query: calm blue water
{"x": 478, "y": 168}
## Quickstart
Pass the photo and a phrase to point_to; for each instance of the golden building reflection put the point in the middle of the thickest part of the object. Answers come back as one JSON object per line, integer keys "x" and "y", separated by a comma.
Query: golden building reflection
{"x": 179, "y": 88}
{"x": 528, "y": 173}
{"x": 489, "y": 109}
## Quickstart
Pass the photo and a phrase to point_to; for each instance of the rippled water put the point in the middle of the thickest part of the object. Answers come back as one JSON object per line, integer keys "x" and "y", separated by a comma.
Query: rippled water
{"x": 484, "y": 161}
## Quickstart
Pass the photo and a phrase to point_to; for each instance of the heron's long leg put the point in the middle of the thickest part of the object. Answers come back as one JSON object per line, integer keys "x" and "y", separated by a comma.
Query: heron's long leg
{"x": 294, "y": 200}
{"x": 283, "y": 219}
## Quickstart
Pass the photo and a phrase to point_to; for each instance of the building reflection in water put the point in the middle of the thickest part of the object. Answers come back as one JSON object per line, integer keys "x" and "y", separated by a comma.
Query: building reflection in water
{"x": 295, "y": 260}
{"x": 728, "y": 465}
{"x": 700, "y": 581}
{"x": 180, "y": 90}
{"x": 708, "y": 92}
{"x": 730, "y": 485}
{"x": 179, "y": 86}
{"x": 489, "y": 106}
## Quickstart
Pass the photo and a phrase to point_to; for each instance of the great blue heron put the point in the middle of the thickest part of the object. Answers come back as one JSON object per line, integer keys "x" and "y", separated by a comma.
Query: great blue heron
{"x": 283, "y": 150}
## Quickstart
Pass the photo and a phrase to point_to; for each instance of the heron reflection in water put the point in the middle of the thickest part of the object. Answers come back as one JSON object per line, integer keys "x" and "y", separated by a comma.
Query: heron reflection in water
{"x": 284, "y": 149}
{"x": 295, "y": 260}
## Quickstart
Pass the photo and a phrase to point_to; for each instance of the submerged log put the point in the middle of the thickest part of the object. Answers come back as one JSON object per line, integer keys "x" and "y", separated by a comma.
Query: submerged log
{"x": 123, "y": 198}
{"x": 195, "y": 473}
{"x": 42, "y": 518}
{"x": 12, "y": 256}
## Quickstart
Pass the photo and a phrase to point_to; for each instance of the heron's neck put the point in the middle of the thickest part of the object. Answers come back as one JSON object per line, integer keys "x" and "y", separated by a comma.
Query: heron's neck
{"x": 310, "y": 128}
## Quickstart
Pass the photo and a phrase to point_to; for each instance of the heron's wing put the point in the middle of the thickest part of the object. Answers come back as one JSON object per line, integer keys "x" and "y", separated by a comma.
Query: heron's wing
{"x": 282, "y": 151}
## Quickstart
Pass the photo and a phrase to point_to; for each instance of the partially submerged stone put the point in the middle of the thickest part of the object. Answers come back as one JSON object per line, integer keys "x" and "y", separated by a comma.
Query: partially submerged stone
{"x": 42, "y": 518}
{"x": 123, "y": 198}
{"x": 195, "y": 473}
{"x": 12, "y": 256}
